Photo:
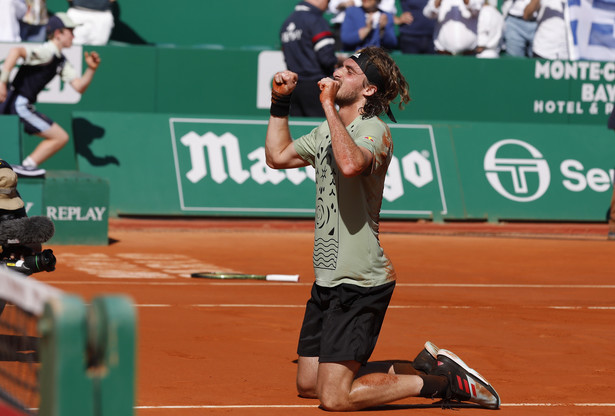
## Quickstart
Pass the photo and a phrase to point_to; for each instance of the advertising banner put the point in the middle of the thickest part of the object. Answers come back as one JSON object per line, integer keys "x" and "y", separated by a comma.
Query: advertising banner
{"x": 163, "y": 165}
{"x": 77, "y": 203}
{"x": 217, "y": 160}
{"x": 166, "y": 165}
{"x": 546, "y": 172}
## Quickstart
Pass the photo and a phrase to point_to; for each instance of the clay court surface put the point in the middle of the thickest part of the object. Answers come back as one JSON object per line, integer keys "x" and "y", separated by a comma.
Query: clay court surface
{"x": 529, "y": 306}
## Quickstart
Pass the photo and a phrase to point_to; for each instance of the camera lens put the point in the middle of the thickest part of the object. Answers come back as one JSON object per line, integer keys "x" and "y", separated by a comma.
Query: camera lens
{"x": 44, "y": 261}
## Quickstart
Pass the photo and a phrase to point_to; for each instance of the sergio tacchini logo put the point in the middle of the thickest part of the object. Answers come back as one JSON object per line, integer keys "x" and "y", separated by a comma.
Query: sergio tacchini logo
{"x": 518, "y": 169}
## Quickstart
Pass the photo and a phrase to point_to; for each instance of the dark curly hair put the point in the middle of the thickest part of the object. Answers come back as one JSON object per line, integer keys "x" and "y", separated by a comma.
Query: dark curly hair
{"x": 394, "y": 83}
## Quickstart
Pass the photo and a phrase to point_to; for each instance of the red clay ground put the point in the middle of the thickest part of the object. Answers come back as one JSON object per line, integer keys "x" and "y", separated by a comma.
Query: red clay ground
{"x": 530, "y": 306}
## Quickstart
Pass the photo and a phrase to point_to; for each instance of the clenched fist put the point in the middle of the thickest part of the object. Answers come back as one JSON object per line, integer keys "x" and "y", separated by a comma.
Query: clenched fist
{"x": 92, "y": 60}
{"x": 328, "y": 90}
{"x": 284, "y": 82}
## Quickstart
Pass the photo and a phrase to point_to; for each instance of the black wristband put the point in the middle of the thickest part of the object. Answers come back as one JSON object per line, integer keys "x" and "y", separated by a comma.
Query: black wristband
{"x": 280, "y": 104}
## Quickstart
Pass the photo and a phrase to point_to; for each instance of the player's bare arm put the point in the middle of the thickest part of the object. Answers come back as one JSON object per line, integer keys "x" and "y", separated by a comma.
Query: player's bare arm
{"x": 351, "y": 159}
{"x": 9, "y": 63}
{"x": 92, "y": 61}
{"x": 279, "y": 150}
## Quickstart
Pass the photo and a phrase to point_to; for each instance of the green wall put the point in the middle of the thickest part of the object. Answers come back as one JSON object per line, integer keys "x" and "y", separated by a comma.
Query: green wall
{"x": 184, "y": 80}
{"x": 10, "y": 128}
{"x": 166, "y": 164}
{"x": 197, "y": 22}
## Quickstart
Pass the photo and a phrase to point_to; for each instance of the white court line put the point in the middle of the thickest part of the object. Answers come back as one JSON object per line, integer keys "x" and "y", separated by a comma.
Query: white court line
{"x": 220, "y": 305}
{"x": 506, "y": 286}
{"x": 557, "y": 404}
{"x": 247, "y": 406}
{"x": 438, "y": 285}
{"x": 295, "y": 406}
{"x": 257, "y": 305}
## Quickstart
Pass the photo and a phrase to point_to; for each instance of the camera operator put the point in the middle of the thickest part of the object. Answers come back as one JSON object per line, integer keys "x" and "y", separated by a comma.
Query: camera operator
{"x": 21, "y": 237}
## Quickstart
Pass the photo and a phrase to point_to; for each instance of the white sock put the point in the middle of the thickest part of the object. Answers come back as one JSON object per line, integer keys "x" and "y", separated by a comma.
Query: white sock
{"x": 29, "y": 163}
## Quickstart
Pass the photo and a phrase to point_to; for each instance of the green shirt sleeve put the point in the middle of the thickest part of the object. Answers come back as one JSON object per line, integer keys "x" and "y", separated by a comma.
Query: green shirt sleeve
{"x": 375, "y": 136}
{"x": 305, "y": 145}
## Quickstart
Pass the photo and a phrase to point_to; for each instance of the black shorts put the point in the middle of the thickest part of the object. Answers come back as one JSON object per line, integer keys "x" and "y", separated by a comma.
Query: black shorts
{"x": 342, "y": 323}
{"x": 33, "y": 121}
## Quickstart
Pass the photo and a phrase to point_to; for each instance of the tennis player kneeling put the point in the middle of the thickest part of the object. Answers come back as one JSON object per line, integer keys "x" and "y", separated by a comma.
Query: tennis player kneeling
{"x": 354, "y": 279}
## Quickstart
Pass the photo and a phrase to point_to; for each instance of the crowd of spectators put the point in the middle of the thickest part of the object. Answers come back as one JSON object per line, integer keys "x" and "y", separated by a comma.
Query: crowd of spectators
{"x": 480, "y": 28}
{"x": 26, "y": 20}
{"x": 483, "y": 28}
{"x": 313, "y": 45}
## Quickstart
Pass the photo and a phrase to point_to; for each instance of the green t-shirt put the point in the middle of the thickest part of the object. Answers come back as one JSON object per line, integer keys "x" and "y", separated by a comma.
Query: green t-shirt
{"x": 346, "y": 244}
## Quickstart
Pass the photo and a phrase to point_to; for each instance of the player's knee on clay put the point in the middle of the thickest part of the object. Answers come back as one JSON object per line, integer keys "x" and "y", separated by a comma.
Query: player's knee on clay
{"x": 332, "y": 401}
{"x": 306, "y": 386}
{"x": 306, "y": 390}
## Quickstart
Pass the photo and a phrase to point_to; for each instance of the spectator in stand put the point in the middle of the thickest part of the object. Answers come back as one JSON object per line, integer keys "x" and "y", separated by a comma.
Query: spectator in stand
{"x": 490, "y": 28}
{"x": 94, "y": 20}
{"x": 368, "y": 25}
{"x": 456, "y": 31}
{"x": 33, "y": 24}
{"x": 550, "y": 39}
{"x": 416, "y": 30}
{"x": 518, "y": 31}
{"x": 11, "y": 11}
{"x": 389, "y": 6}
{"x": 309, "y": 51}
{"x": 338, "y": 9}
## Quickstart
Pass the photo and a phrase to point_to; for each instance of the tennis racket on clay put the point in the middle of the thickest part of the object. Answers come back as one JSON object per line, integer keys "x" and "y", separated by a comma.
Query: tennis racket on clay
{"x": 244, "y": 276}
